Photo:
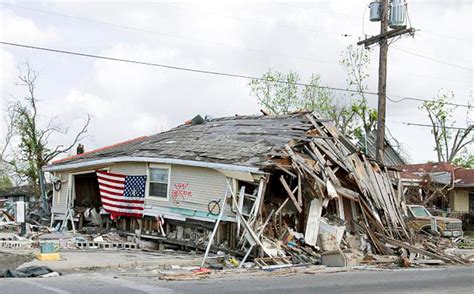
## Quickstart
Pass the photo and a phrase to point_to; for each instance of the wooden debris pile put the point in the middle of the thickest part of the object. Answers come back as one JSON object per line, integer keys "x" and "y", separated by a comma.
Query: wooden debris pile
{"x": 322, "y": 200}
{"x": 325, "y": 175}
{"x": 331, "y": 168}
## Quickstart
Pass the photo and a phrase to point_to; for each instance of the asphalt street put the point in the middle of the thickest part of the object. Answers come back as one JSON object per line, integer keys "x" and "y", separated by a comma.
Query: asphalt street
{"x": 433, "y": 280}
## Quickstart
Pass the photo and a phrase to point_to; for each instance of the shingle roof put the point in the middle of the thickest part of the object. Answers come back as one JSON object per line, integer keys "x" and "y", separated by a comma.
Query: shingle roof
{"x": 239, "y": 140}
{"x": 464, "y": 176}
{"x": 428, "y": 167}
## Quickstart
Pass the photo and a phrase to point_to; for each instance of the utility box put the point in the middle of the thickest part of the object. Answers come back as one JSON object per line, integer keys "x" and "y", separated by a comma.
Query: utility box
{"x": 397, "y": 14}
{"x": 375, "y": 11}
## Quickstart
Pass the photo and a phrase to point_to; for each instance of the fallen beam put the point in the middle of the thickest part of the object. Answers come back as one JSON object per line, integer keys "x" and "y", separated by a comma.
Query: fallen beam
{"x": 292, "y": 197}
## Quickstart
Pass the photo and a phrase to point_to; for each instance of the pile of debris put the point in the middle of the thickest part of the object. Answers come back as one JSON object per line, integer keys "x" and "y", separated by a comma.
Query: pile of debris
{"x": 348, "y": 206}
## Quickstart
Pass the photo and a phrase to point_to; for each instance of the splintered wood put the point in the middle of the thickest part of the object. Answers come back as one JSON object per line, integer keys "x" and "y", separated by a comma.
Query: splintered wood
{"x": 330, "y": 167}
{"x": 330, "y": 187}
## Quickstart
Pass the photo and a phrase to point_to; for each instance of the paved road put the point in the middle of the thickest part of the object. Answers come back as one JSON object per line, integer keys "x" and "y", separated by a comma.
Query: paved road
{"x": 439, "y": 280}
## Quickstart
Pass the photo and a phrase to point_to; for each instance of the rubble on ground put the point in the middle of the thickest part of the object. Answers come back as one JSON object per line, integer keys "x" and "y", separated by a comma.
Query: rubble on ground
{"x": 352, "y": 216}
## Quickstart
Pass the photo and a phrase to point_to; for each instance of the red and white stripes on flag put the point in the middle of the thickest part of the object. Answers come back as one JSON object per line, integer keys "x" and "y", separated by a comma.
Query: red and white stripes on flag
{"x": 122, "y": 195}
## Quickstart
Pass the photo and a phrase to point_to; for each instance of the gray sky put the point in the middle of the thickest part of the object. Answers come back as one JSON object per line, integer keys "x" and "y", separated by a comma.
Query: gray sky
{"x": 244, "y": 37}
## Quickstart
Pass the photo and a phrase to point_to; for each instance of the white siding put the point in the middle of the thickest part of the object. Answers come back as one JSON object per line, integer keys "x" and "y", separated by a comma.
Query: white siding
{"x": 205, "y": 185}
{"x": 129, "y": 168}
{"x": 190, "y": 188}
{"x": 60, "y": 197}
{"x": 193, "y": 188}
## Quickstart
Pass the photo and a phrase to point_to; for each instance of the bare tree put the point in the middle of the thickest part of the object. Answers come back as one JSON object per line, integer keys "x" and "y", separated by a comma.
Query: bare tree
{"x": 449, "y": 142}
{"x": 28, "y": 139}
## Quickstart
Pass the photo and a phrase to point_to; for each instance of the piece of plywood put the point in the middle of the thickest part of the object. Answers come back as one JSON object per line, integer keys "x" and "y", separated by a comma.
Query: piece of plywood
{"x": 312, "y": 224}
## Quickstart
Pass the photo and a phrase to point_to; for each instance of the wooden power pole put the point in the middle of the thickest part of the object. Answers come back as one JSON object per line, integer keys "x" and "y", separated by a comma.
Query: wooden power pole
{"x": 382, "y": 88}
{"x": 382, "y": 39}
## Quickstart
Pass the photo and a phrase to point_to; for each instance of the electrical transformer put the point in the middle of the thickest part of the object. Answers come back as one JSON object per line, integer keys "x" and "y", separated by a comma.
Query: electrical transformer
{"x": 397, "y": 14}
{"x": 375, "y": 11}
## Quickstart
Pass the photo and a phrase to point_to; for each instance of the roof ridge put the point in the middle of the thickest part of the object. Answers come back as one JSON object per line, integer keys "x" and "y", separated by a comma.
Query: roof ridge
{"x": 99, "y": 149}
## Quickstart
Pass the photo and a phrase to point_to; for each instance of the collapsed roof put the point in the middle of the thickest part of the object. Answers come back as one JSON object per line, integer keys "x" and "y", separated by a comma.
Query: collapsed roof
{"x": 238, "y": 140}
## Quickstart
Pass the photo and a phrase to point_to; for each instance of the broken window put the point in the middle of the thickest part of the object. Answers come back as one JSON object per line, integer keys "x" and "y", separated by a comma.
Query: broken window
{"x": 158, "y": 182}
{"x": 419, "y": 211}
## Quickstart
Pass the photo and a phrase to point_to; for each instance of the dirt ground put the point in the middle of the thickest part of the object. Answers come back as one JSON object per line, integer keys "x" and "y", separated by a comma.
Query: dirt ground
{"x": 12, "y": 261}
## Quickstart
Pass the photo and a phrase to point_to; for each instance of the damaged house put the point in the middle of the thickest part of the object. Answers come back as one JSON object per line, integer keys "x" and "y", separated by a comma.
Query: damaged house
{"x": 253, "y": 181}
{"x": 445, "y": 185}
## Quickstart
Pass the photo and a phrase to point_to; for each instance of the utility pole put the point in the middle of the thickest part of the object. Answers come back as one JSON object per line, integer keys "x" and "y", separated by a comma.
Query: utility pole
{"x": 382, "y": 88}
{"x": 382, "y": 39}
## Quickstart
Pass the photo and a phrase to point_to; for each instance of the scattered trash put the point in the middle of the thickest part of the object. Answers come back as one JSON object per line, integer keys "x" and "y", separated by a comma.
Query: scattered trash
{"x": 29, "y": 272}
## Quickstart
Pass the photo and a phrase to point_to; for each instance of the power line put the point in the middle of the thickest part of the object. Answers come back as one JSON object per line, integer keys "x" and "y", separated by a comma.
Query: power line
{"x": 168, "y": 35}
{"x": 195, "y": 70}
{"x": 427, "y": 125}
{"x": 191, "y": 39}
{"x": 450, "y": 36}
{"x": 210, "y": 72}
{"x": 424, "y": 100}
{"x": 433, "y": 59}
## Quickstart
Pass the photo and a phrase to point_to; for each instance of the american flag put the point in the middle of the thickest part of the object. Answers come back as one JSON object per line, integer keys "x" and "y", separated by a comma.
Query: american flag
{"x": 122, "y": 195}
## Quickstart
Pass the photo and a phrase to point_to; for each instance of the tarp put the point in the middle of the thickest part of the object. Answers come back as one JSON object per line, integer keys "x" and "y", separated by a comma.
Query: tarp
{"x": 26, "y": 272}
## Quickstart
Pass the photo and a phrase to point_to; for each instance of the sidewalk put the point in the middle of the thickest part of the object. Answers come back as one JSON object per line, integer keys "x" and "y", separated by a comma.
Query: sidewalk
{"x": 80, "y": 260}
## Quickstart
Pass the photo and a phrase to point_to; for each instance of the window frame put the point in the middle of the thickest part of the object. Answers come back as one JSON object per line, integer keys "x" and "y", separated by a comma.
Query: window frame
{"x": 148, "y": 181}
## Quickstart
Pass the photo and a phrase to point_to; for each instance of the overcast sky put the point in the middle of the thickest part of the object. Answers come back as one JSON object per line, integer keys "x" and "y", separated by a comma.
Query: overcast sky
{"x": 243, "y": 37}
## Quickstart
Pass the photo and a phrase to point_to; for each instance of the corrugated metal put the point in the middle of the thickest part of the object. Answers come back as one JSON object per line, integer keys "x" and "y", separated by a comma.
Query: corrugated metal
{"x": 441, "y": 177}
{"x": 60, "y": 197}
{"x": 391, "y": 157}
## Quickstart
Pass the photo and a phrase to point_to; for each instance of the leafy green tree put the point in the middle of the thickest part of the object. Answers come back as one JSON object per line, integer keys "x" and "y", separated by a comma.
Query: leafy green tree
{"x": 279, "y": 93}
{"x": 449, "y": 142}
{"x": 5, "y": 181}
{"x": 355, "y": 62}
{"x": 465, "y": 159}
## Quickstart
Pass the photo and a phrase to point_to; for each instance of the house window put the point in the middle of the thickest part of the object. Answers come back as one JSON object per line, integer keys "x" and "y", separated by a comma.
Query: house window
{"x": 158, "y": 182}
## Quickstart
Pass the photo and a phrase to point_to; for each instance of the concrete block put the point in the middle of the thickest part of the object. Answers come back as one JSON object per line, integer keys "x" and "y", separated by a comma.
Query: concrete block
{"x": 334, "y": 258}
{"x": 48, "y": 256}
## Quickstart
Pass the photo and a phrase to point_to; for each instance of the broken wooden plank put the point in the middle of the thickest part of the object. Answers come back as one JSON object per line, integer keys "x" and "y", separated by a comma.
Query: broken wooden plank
{"x": 347, "y": 193}
{"x": 281, "y": 206}
{"x": 279, "y": 166}
{"x": 420, "y": 250}
{"x": 292, "y": 197}
{"x": 300, "y": 192}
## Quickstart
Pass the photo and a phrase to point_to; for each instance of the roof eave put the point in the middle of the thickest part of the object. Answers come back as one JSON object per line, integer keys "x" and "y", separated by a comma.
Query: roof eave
{"x": 95, "y": 162}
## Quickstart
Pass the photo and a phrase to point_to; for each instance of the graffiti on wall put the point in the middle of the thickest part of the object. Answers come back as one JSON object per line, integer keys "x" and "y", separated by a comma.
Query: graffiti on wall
{"x": 180, "y": 192}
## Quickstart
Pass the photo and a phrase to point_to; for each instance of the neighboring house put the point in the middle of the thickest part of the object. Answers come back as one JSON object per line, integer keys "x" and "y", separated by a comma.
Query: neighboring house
{"x": 440, "y": 181}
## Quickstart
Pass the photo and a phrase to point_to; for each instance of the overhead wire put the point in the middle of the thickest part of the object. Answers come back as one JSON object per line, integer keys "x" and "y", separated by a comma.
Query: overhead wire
{"x": 210, "y": 72}
{"x": 234, "y": 75}
{"x": 191, "y": 39}
{"x": 168, "y": 35}
{"x": 469, "y": 106}
{"x": 430, "y": 126}
{"x": 432, "y": 59}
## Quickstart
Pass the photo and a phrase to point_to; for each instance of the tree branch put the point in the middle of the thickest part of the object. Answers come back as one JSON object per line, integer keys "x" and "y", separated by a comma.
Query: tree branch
{"x": 78, "y": 137}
